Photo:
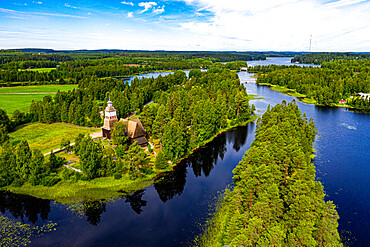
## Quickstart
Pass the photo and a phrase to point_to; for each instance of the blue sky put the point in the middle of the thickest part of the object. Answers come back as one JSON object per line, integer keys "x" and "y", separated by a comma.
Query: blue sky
{"x": 238, "y": 25}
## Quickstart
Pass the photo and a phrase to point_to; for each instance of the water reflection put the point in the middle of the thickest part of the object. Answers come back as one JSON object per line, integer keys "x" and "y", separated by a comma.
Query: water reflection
{"x": 23, "y": 206}
{"x": 136, "y": 201}
{"x": 206, "y": 158}
{"x": 93, "y": 211}
{"x": 172, "y": 183}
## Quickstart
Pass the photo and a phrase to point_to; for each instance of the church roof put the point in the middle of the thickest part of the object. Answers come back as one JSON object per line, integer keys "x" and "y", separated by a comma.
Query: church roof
{"x": 134, "y": 128}
{"x": 141, "y": 140}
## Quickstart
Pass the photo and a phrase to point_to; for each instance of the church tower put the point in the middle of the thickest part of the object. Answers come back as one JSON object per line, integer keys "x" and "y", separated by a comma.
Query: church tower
{"x": 109, "y": 119}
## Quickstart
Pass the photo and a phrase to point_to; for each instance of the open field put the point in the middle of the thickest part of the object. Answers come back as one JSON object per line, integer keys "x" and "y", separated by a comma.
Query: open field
{"x": 36, "y": 89}
{"x": 40, "y": 70}
{"x": 47, "y": 136}
{"x": 20, "y": 98}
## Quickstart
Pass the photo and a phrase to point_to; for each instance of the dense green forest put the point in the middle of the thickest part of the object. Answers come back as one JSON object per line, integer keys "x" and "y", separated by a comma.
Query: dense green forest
{"x": 18, "y": 68}
{"x": 319, "y": 58}
{"x": 183, "y": 114}
{"x": 276, "y": 200}
{"x": 335, "y": 80}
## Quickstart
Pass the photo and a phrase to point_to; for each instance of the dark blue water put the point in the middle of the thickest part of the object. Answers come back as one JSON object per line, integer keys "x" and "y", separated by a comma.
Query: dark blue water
{"x": 170, "y": 212}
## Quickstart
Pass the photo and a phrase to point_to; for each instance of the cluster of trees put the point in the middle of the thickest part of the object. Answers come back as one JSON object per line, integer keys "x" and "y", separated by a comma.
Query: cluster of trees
{"x": 276, "y": 200}
{"x": 81, "y": 106}
{"x": 319, "y": 58}
{"x": 335, "y": 80}
{"x": 9, "y": 124}
{"x": 191, "y": 113}
{"x": 361, "y": 103}
{"x": 20, "y": 164}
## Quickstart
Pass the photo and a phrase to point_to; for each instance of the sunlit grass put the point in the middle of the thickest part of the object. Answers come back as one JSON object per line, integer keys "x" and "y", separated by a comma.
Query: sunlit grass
{"x": 41, "y": 70}
{"x": 47, "y": 136}
{"x": 20, "y": 98}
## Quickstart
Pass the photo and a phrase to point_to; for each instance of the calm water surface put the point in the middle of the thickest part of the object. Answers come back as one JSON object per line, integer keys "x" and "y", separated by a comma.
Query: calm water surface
{"x": 170, "y": 212}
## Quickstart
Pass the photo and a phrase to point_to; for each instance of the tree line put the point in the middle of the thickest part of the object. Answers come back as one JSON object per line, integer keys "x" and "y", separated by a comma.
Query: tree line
{"x": 335, "y": 80}
{"x": 320, "y": 57}
{"x": 276, "y": 200}
{"x": 73, "y": 67}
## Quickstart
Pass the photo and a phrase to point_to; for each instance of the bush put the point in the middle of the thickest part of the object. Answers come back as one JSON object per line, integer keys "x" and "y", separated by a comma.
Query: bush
{"x": 117, "y": 176}
{"x": 5, "y": 180}
{"x": 49, "y": 181}
{"x": 17, "y": 182}
{"x": 160, "y": 161}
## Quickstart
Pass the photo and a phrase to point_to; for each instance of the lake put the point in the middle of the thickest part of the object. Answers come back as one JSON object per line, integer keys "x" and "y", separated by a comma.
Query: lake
{"x": 173, "y": 210}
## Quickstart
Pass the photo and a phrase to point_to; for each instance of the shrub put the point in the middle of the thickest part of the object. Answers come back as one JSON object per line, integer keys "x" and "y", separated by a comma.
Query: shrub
{"x": 117, "y": 176}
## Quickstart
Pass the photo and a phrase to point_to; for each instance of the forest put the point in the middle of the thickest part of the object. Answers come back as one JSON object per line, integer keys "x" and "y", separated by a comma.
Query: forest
{"x": 18, "y": 68}
{"x": 335, "y": 80}
{"x": 183, "y": 114}
{"x": 320, "y": 57}
{"x": 275, "y": 200}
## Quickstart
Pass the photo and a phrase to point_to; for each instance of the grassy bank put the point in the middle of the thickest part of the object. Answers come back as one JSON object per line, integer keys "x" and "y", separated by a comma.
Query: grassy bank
{"x": 20, "y": 98}
{"x": 69, "y": 192}
{"x": 47, "y": 136}
{"x": 290, "y": 92}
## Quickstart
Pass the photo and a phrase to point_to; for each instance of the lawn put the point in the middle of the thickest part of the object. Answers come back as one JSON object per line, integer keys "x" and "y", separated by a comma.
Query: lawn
{"x": 20, "y": 98}
{"x": 47, "y": 136}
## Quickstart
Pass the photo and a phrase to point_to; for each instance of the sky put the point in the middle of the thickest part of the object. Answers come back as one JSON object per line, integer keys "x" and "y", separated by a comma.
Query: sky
{"x": 187, "y": 25}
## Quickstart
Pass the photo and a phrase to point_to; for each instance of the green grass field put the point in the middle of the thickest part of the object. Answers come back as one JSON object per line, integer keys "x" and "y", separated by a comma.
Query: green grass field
{"x": 40, "y": 70}
{"x": 20, "y": 98}
{"x": 309, "y": 101}
{"x": 47, "y": 136}
{"x": 279, "y": 88}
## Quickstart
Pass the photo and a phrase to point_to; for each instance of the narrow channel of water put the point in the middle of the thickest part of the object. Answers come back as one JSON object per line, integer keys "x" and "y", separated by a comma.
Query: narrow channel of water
{"x": 170, "y": 212}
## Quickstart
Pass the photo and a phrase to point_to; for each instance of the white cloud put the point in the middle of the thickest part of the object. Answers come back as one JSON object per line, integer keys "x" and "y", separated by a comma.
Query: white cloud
{"x": 128, "y": 3}
{"x": 69, "y": 6}
{"x": 344, "y": 3}
{"x": 147, "y": 6}
{"x": 283, "y": 25}
{"x": 130, "y": 15}
{"x": 158, "y": 10}
{"x": 36, "y": 2}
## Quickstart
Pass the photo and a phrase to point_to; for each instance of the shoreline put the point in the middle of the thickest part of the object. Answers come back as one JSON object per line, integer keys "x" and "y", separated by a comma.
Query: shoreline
{"x": 301, "y": 97}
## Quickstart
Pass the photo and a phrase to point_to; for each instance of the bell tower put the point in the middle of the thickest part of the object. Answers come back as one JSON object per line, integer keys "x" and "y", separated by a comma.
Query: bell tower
{"x": 109, "y": 119}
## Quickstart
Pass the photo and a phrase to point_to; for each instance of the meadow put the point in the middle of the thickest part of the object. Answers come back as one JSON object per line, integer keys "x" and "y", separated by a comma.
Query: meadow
{"x": 20, "y": 98}
{"x": 47, "y": 136}
{"x": 40, "y": 70}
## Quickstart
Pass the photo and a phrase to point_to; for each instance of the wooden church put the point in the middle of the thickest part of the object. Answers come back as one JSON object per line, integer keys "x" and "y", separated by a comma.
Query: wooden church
{"x": 134, "y": 130}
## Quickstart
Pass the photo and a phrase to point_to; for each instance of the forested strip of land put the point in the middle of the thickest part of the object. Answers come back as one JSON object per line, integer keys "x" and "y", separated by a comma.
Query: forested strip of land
{"x": 276, "y": 200}
{"x": 335, "y": 80}
{"x": 320, "y": 57}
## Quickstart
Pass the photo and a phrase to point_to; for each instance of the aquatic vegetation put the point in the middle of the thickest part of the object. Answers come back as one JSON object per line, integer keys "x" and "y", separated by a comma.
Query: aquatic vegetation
{"x": 16, "y": 233}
